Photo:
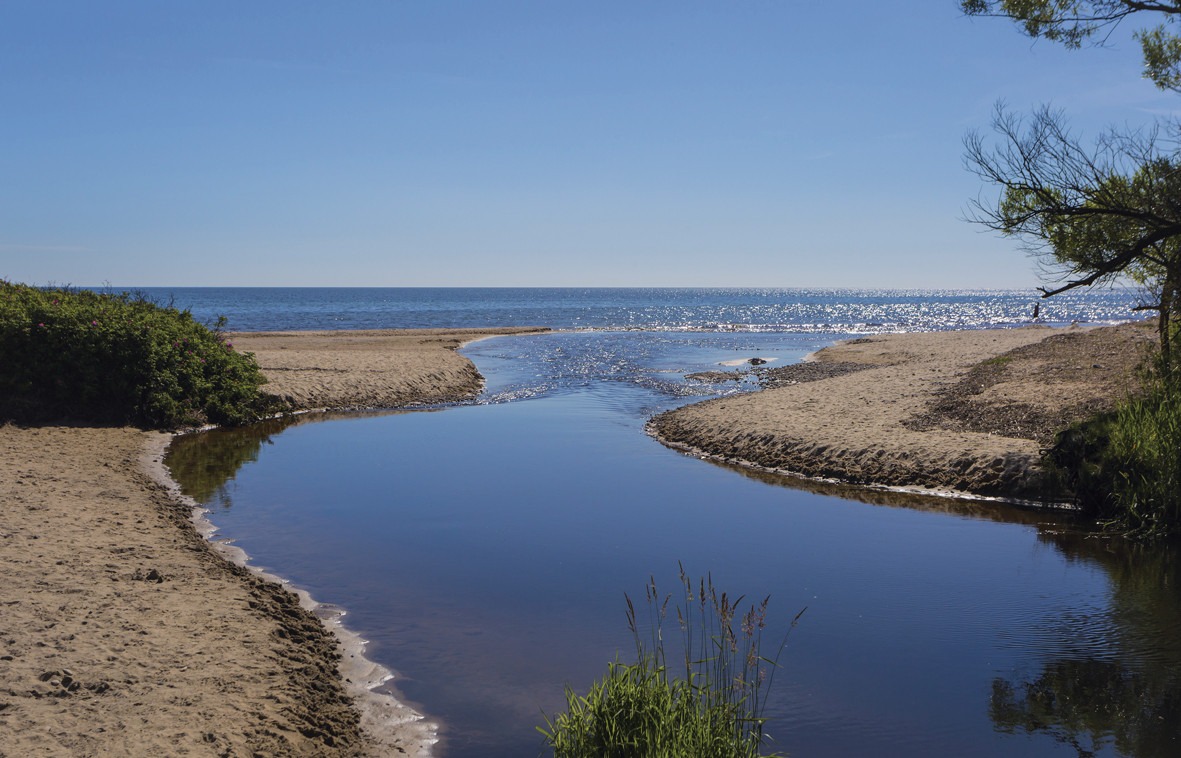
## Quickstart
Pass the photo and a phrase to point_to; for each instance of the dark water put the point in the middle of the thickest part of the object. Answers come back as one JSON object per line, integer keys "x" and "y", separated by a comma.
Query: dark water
{"x": 664, "y": 309}
{"x": 485, "y": 551}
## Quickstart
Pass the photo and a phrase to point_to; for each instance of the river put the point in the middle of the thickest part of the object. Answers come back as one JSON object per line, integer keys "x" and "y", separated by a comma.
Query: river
{"x": 485, "y": 549}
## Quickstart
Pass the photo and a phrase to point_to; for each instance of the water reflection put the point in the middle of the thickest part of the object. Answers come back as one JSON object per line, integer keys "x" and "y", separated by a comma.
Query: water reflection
{"x": 1124, "y": 696}
{"x": 1146, "y": 591}
{"x": 1096, "y": 674}
{"x": 976, "y": 508}
{"x": 1090, "y": 704}
{"x": 205, "y": 464}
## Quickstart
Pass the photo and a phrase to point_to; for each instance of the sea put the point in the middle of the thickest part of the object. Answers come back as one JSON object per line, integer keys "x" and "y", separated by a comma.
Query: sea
{"x": 488, "y": 550}
{"x": 827, "y": 311}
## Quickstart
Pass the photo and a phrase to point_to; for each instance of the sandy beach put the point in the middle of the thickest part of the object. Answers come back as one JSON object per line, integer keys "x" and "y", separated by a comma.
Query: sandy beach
{"x": 125, "y": 632}
{"x": 962, "y": 412}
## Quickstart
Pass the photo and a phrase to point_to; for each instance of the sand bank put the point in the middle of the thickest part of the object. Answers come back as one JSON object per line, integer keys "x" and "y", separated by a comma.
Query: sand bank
{"x": 124, "y": 632}
{"x": 368, "y": 369}
{"x": 960, "y": 411}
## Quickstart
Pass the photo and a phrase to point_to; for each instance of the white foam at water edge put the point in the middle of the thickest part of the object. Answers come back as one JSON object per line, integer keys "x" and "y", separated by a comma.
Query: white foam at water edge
{"x": 388, "y": 722}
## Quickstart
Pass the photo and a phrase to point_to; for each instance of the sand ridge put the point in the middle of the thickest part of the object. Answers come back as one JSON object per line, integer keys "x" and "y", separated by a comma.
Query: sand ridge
{"x": 880, "y": 425}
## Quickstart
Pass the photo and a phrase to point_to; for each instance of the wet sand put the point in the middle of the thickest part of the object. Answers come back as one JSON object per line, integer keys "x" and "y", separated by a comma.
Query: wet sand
{"x": 124, "y": 632}
{"x": 959, "y": 412}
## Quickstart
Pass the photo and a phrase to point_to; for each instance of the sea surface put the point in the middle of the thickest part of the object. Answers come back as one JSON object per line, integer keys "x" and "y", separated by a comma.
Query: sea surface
{"x": 824, "y": 311}
{"x": 485, "y": 549}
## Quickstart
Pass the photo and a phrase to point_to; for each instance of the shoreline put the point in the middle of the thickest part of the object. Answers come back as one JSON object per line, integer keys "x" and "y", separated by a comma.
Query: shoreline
{"x": 127, "y": 631}
{"x": 389, "y": 724}
{"x": 291, "y": 357}
{"x": 867, "y": 486}
{"x": 957, "y": 413}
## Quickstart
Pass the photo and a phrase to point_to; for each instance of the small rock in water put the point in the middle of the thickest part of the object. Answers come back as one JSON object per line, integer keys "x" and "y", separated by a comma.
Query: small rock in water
{"x": 756, "y": 361}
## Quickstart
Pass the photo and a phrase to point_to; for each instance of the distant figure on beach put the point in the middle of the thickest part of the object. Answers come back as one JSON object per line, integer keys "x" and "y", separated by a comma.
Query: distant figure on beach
{"x": 1037, "y": 307}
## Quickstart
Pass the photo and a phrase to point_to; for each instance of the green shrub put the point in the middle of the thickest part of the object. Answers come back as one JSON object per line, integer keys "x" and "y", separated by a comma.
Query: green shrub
{"x": 1124, "y": 467}
{"x": 79, "y": 355}
{"x": 712, "y": 710}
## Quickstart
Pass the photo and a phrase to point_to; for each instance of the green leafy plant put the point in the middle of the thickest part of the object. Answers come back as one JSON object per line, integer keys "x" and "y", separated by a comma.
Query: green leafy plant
{"x": 1124, "y": 467}
{"x": 711, "y": 707}
{"x": 119, "y": 358}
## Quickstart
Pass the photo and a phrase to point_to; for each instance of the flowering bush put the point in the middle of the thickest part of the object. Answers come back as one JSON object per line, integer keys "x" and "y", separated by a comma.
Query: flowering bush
{"x": 81, "y": 355}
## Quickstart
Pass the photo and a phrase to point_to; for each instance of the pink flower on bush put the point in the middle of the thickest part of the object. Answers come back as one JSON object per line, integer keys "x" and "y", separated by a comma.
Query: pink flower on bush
{"x": 94, "y": 323}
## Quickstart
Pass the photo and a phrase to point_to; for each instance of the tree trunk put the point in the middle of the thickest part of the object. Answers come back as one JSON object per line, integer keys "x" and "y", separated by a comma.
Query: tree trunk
{"x": 1168, "y": 302}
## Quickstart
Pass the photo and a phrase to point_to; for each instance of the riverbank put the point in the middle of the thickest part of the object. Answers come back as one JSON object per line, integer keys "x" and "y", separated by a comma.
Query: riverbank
{"x": 125, "y": 632}
{"x": 957, "y": 412}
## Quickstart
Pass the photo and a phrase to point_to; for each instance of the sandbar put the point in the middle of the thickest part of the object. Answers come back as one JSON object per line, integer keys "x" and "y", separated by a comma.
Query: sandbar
{"x": 390, "y": 368}
{"x": 958, "y": 412}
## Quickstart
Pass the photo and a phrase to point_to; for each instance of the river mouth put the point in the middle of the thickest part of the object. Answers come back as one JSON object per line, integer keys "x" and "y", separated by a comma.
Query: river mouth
{"x": 485, "y": 550}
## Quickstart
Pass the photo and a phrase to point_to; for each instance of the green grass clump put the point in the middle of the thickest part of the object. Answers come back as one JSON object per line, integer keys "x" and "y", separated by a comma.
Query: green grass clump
{"x": 77, "y": 355}
{"x": 1124, "y": 467}
{"x": 711, "y": 708}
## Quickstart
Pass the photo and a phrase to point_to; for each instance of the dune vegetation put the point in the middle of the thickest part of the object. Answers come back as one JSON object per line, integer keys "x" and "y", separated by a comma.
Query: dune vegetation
{"x": 72, "y": 355}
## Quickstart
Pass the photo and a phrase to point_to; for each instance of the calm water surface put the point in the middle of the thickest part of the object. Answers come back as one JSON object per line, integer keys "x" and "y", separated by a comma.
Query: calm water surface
{"x": 484, "y": 550}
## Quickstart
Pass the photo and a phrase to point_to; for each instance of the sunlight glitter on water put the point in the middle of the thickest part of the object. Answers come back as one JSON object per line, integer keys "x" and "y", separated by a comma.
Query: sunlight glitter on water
{"x": 652, "y": 309}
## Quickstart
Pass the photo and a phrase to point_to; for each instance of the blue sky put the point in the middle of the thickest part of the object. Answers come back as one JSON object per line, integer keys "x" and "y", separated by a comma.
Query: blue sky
{"x": 437, "y": 143}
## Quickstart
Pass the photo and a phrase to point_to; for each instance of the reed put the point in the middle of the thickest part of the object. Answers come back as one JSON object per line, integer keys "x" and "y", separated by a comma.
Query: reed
{"x": 709, "y": 703}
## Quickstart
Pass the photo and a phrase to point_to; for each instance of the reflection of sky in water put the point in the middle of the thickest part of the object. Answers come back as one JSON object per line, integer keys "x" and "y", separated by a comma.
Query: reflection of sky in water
{"x": 485, "y": 551}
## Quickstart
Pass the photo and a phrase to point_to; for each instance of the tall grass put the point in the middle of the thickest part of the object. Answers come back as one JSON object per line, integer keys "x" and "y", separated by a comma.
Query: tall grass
{"x": 1124, "y": 467}
{"x": 1145, "y": 444}
{"x": 708, "y": 703}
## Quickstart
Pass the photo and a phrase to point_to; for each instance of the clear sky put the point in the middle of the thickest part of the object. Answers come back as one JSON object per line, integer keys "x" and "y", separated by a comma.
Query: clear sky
{"x": 436, "y": 143}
